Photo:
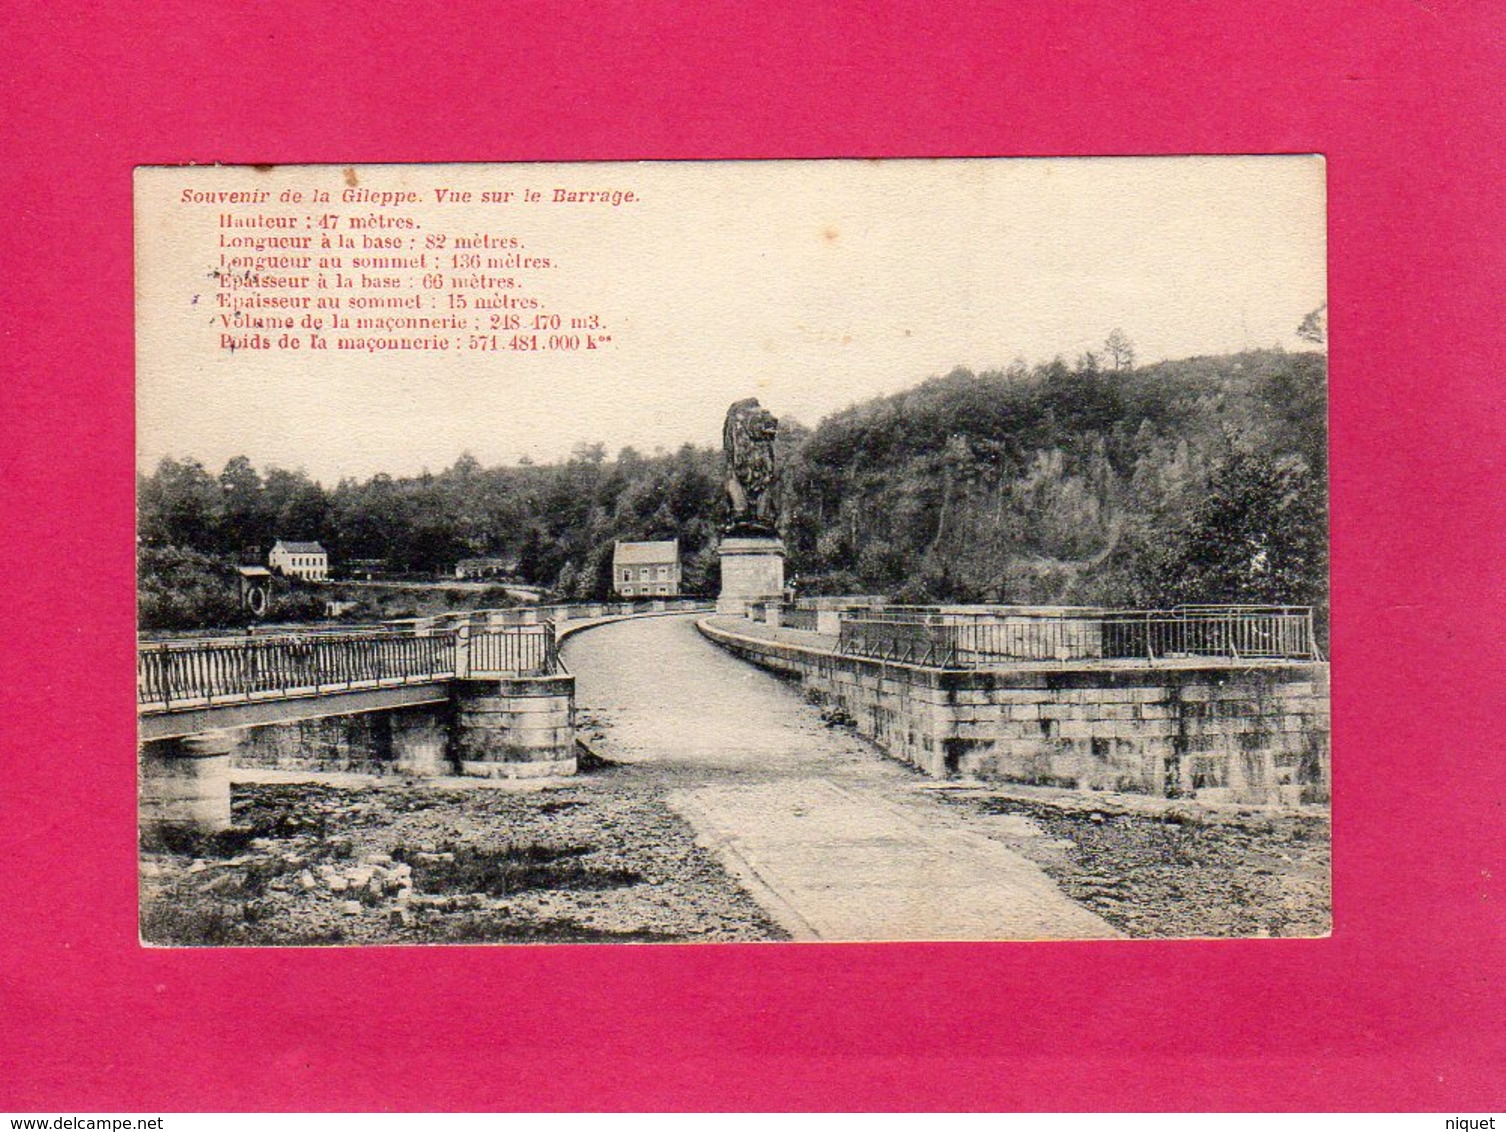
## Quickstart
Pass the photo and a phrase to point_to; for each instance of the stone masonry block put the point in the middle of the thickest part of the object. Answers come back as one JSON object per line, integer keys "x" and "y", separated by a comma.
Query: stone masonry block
{"x": 1234, "y": 691}
{"x": 972, "y": 696}
{"x": 1021, "y": 748}
{"x": 1020, "y": 695}
{"x": 1164, "y": 728}
{"x": 1021, "y": 730}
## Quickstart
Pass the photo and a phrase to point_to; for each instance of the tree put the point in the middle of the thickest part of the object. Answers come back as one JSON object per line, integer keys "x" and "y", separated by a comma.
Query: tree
{"x": 1055, "y": 483}
{"x": 1259, "y": 535}
{"x": 531, "y": 559}
{"x": 245, "y": 521}
{"x": 1120, "y": 350}
{"x": 1314, "y": 327}
{"x": 179, "y": 505}
{"x": 179, "y": 588}
{"x": 593, "y": 454}
{"x": 297, "y": 505}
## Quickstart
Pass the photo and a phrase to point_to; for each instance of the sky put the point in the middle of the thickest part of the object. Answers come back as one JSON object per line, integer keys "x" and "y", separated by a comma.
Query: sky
{"x": 811, "y": 285}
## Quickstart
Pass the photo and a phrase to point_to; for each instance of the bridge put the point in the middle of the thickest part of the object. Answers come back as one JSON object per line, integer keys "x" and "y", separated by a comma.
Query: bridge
{"x": 482, "y": 693}
{"x": 185, "y": 687}
{"x": 1222, "y": 704}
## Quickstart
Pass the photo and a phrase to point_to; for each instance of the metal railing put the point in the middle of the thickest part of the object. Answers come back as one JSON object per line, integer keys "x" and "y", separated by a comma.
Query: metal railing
{"x": 537, "y": 614}
{"x": 175, "y": 674}
{"x": 796, "y": 617}
{"x": 210, "y": 671}
{"x": 1238, "y": 632}
{"x": 905, "y": 641}
{"x": 958, "y": 638}
{"x": 527, "y": 650}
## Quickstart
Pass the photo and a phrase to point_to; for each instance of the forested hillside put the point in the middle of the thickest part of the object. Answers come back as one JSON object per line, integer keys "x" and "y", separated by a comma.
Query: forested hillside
{"x": 1195, "y": 480}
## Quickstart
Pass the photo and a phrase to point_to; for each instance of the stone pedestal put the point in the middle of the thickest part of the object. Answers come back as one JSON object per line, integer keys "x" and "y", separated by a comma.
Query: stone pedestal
{"x": 752, "y": 570}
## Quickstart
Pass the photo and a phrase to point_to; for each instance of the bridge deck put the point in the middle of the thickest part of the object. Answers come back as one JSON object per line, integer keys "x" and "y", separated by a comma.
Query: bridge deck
{"x": 186, "y": 686}
{"x": 291, "y": 707}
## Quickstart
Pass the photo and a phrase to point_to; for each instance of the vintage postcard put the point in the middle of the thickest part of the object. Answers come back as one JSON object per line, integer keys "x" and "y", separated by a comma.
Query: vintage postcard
{"x": 733, "y": 551}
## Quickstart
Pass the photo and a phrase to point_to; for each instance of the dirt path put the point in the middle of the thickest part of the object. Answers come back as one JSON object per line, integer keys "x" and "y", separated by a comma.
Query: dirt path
{"x": 834, "y": 841}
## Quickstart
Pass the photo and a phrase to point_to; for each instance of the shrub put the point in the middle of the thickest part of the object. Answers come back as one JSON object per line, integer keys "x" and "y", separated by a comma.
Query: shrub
{"x": 183, "y": 589}
{"x": 179, "y": 589}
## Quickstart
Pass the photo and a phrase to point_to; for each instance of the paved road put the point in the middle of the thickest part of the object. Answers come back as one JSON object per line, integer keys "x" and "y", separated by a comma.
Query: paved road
{"x": 837, "y": 841}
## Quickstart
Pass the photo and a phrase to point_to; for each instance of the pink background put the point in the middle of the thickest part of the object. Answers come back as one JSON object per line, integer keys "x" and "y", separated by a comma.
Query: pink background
{"x": 1401, "y": 1008}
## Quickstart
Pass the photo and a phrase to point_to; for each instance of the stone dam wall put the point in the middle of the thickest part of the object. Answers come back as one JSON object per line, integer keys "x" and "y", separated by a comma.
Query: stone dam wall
{"x": 1215, "y": 731}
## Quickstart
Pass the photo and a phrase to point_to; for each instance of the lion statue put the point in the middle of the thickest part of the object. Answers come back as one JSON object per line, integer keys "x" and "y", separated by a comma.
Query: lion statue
{"x": 748, "y": 442}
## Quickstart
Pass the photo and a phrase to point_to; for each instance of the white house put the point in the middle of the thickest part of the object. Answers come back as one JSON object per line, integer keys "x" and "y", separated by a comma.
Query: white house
{"x": 299, "y": 560}
{"x": 646, "y": 569}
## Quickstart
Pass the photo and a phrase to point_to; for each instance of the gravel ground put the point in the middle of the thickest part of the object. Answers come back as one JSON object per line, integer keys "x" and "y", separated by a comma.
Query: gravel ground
{"x": 411, "y": 863}
{"x": 1183, "y": 873}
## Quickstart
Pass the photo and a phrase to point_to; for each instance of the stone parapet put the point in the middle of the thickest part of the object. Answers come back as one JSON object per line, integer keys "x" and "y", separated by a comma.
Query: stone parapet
{"x": 1256, "y": 733}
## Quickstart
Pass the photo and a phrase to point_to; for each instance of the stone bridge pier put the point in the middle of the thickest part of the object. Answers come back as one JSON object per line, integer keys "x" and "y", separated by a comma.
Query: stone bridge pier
{"x": 185, "y": 782}
{"x": 519, "y": 727}
{"x": 516, "y": 728}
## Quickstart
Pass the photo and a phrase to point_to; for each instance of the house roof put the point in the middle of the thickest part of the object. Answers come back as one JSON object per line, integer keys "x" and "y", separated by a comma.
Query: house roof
{"x": 300, "y": 547}
{"x": 254, "y": 571}
{"x": 646, "y": 553}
